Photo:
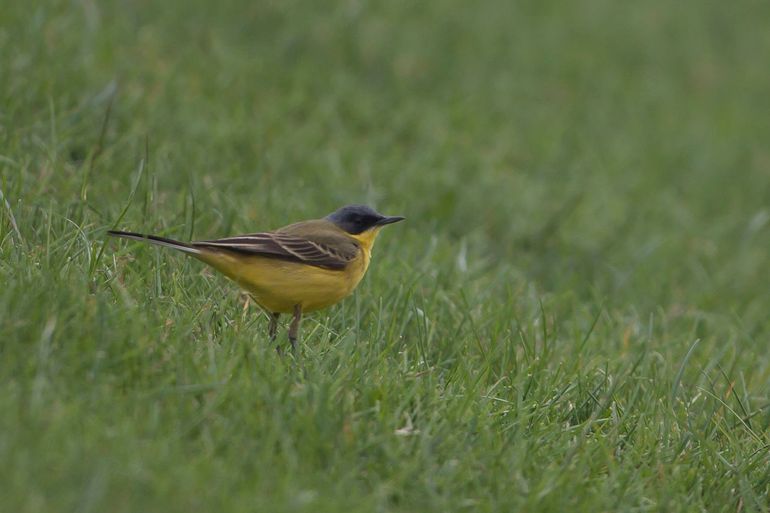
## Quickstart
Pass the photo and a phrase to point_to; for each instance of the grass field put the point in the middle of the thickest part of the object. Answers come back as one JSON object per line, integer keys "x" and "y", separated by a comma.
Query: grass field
{"x": 574, "y": 317}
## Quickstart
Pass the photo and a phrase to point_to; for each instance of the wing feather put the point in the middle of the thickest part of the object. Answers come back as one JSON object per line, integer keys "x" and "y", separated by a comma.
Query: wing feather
{"x": 288, "y": 247}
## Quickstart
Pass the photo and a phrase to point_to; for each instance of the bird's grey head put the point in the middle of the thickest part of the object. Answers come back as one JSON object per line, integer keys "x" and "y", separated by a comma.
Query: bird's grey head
{"x": 356, "y": 219}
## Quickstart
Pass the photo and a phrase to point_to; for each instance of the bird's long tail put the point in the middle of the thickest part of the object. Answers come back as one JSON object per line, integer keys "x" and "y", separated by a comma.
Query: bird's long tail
{"x": 160, "y": 241}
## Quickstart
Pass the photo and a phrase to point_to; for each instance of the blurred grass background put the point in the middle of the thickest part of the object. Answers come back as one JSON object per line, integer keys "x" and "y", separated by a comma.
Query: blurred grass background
{"x": 574, "y": 316}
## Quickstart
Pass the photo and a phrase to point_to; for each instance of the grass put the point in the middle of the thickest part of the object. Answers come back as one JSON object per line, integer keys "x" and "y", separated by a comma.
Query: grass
{"x": 573, "y": 318}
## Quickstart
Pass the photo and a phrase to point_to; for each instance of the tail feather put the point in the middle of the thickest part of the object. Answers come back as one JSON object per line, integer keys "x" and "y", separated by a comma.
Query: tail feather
{"x": 154, "y": 239}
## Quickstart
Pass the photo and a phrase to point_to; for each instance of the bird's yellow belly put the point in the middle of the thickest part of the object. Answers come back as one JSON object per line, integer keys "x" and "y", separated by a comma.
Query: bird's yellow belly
{"x": 277, "y": 285}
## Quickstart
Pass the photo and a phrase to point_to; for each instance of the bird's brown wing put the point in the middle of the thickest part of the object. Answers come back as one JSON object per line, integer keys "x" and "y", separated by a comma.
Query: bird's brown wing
{"x": 330, "y": 251}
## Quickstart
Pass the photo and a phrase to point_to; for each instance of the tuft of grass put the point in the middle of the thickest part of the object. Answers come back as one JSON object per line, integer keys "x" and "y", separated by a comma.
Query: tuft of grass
{"x": 586, "y": 192}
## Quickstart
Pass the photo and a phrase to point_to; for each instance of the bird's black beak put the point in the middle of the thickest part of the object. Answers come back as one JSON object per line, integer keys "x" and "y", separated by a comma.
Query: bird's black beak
{"x": 389, "y": 220}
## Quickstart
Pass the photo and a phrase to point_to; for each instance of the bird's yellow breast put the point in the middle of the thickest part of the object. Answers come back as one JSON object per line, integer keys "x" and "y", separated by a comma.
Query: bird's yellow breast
{"x": 278, "y": 285}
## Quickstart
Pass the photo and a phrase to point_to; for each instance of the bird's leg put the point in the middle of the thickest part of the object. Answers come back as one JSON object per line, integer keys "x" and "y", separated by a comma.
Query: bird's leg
{"x": 294, "y": 327}
{"x": 272, "y": 328}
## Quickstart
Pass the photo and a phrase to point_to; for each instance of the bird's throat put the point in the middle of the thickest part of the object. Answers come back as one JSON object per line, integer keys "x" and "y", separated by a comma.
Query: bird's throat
{"x": 366, "y": 239}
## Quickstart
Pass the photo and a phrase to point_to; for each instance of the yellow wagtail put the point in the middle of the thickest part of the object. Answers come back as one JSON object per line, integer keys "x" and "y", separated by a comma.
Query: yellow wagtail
{"x": 299, "y": 268}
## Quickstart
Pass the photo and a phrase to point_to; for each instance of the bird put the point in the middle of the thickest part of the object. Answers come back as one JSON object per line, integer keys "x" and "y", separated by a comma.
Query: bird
{"x": 299, "y": 268}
